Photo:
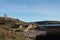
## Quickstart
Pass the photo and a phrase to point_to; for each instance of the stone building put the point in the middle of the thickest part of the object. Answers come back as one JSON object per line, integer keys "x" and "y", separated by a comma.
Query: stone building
{"x": 5, "y": 16}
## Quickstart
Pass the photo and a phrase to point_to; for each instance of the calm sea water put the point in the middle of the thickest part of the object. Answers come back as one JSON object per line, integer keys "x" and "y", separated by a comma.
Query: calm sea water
{"x": 50, "y": 25}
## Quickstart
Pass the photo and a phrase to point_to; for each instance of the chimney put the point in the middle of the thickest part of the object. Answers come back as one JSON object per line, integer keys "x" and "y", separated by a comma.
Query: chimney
{"x": 5, "y": 16}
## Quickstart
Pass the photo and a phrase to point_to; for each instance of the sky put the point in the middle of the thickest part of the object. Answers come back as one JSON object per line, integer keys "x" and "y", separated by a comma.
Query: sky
{"x": 31, "y": 10}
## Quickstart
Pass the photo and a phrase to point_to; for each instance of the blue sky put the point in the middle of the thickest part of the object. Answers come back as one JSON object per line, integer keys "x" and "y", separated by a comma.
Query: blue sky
{"x": 31, "y": 10}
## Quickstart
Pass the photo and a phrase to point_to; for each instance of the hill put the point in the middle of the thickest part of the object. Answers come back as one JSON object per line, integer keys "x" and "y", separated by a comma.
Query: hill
{"x": 46, "y": 22}
{"x": 6, "y": 32}
{"x": 11, "y": 21}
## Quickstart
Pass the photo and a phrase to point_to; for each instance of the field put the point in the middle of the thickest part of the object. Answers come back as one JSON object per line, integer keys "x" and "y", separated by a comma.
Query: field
{"x": 20, "y": 36}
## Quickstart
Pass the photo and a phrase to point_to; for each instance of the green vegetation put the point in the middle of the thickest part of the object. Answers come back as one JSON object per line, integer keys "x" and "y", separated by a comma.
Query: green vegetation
{"x": 5, "y": 29}
{"x": 7, "y": 35}
{"x": 12, "y": 21}
{"x": 20, "y": 37}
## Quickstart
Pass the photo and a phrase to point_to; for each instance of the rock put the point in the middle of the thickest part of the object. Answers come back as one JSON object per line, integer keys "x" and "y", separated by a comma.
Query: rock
{"x": 33, "y": 33}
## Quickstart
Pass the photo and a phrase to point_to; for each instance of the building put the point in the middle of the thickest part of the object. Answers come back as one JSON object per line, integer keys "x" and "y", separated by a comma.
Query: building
{"x": 5, "y": 16}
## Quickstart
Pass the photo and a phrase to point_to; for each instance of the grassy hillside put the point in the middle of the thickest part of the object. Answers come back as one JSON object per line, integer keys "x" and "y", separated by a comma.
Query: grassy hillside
{"x": 6, "y": 34}
{"x": 11, "y": 21}
{"x": 5, "y": 29}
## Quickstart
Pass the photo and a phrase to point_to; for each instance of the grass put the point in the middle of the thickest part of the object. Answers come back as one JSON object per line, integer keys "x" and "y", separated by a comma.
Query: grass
{"x": 20, "y": 36}
{"x": 7, "y": 35}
